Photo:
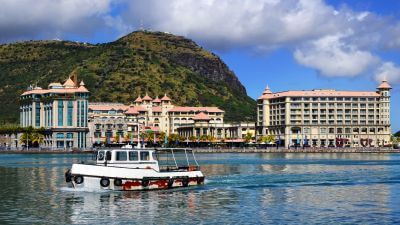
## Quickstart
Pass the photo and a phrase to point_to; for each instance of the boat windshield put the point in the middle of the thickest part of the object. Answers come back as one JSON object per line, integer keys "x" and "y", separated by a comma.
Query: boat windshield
{"x": 176, "y": 159}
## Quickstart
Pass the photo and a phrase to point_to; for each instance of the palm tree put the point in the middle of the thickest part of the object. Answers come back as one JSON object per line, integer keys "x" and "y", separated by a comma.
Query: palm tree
{"x": 248, "y": 137}
{"x": 26, "y": 137}
{"x": 128, "y": 137}
{"x": 161, "y": 137}
{"x": 270, "y": 139}
{"x": 37, "y": 138}
{"x": 149, "y": 136}
{"x": 203, "y": 138}
{"x": 116, "y": 138}
{"x": 192, "y": 138}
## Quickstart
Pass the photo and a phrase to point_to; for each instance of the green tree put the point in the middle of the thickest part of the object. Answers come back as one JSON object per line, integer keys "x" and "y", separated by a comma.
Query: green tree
{"x": 248, "y": 137}
{"x": 117, "y": 138}
{"x": 161, "y": 137}
{"x": 172, "y": 138}
{"x": 192, "y": 138}
{"x": 149, "y": 136}
{"x": 203, "y": 137}
{"x": 270, "y": 139}
{"x": 266, "y": 139}
{"x": 37, "y": 138}
{"x": 128, "y": 137}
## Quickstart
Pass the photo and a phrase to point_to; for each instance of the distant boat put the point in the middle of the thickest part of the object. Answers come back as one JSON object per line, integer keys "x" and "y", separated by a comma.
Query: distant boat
{"x": 128, "y": 169}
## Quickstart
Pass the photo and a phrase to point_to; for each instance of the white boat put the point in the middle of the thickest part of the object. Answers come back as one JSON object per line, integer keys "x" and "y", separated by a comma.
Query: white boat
{"x": 128, "y": 169}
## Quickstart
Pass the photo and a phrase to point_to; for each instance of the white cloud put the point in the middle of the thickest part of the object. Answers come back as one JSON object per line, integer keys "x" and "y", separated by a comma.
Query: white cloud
{"x": 237, "y": 23}
{"x": 388, "y": 71}
{"x": 31, "y": 19}
{"x": 333, "y": 57}
{"x": 334, "y": 41}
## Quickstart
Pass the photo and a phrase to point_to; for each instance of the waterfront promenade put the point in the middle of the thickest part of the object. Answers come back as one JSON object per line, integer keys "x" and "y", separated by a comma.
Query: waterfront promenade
{"x": 227, "y": 150}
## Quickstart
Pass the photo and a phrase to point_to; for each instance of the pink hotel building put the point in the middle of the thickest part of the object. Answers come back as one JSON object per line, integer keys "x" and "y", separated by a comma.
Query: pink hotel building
{"x": 326, "y": 118}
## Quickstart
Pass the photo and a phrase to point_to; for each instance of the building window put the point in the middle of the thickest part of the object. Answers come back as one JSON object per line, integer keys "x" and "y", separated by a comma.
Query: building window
{"x": 97, "y": 134}
{"x": 69, "y": 113}
{"x": 60, "y": 113}
{"x": 70, "y": 135}
{"x": 60, "y": 135}
{"x": 37, "y": 114}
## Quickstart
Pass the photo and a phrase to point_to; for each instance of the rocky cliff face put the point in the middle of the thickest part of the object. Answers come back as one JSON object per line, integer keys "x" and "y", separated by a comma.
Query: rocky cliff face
{"x": 211, "y": 68}
{"x": 140, "y": 62}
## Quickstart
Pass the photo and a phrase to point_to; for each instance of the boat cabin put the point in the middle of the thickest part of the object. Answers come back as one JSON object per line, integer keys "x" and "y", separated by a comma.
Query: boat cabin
{"x": 163, "y": 159}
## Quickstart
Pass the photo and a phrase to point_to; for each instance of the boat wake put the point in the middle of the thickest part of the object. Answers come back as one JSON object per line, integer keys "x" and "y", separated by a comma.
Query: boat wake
{"x": 70, "y": 189}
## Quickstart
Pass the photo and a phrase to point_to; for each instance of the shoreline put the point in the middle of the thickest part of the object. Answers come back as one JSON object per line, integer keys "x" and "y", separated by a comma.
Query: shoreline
{"x": 230, "y": 150}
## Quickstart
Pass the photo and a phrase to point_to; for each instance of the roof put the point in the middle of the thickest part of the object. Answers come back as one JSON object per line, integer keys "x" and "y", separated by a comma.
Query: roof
{"x": 138, "y": 99}
{"x": 57, "y": 84}
{"x": 153, "y": 128}
{"x": 267, "y": 91}
{"x": 157, "y": 100}
{"x": 384, "y": 85}
{"x": 201, "y": 116}
{"x": 108, "y": 106}
{"x": 165, "y": 98}
{"x": 69, "y": 83}
{"x": 81, "y": 89}
{"x": 195, "y": 109}
{"x": 132, "y": 110}
{"x": 135, "y": 110}
{"x": 157, "y": 109}
{"x": 320, "y": 93}
{"x": 147, "y": 98}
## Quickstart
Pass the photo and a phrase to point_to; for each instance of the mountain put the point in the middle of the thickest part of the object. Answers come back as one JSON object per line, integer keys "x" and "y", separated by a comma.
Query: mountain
{"x": 142, "y": 61}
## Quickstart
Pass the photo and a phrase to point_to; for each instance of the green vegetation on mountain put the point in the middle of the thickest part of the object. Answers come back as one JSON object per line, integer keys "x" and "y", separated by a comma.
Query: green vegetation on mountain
{"x": 119, "y": 71}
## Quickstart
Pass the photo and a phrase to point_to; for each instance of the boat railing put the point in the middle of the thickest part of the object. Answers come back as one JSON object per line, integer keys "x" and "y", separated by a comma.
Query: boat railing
{"x": 177, "y": 159}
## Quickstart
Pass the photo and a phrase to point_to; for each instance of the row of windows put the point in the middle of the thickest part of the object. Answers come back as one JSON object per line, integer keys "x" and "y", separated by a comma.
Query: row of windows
{"x": 346, "y": 105}
{"x": 132, "y": 156}
{"x": 332, "y": 99}
{"x": 62, "y": 135}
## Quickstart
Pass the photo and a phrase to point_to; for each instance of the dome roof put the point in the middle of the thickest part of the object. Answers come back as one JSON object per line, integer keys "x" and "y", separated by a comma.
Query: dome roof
{"x": 201, "y": 116}
{"x": 147, "y": 98}
{"x": 138, "y": 99}
{"x": 157, "y": 100}
{"x": 267, "y": 91}
{"x": 384, "y": 85}
{"x": 165, "y": 98}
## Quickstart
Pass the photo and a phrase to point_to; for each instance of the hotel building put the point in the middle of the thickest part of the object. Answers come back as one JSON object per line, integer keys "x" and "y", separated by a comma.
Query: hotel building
{"x": 326, "y": 118}
{"x": 108, "y": 120}
{"x": 61, "y": 109}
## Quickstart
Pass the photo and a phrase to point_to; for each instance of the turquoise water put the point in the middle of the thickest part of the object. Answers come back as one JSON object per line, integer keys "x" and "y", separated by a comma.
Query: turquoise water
{"x": 240, "y": 189}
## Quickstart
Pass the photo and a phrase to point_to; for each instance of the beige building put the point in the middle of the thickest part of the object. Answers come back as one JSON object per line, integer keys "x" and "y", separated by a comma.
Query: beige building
{"x": 61, "y": 109}
{"x": 226, "y": 132}
{"x": 326, "y": 118}
{"x": 106, "y": 120}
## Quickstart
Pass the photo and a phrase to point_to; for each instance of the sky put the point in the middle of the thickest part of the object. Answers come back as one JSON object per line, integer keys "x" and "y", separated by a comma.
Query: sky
{"x": 288, "y": 45}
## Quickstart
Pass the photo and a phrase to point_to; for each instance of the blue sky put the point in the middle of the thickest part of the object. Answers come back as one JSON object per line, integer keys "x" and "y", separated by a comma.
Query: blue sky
{"x": 292, "y": 44}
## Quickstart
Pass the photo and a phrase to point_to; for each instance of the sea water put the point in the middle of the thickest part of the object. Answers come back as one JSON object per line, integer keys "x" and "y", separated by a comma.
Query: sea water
{"x": 239, "y": 189}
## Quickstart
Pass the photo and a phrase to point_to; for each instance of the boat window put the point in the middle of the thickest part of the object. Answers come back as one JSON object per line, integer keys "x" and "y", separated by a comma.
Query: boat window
{"x": 100, "y": 155}
{"x": 133, "y": 156}
{"x": 154, "y": 155}
{"x": 108, "y": 155}
{"x": 121, "y": 156}
{"x": 144, "y": 156}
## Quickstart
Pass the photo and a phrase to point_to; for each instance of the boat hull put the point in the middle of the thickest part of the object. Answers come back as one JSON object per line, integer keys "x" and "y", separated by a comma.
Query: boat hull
{"x": 129, "y": 179}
